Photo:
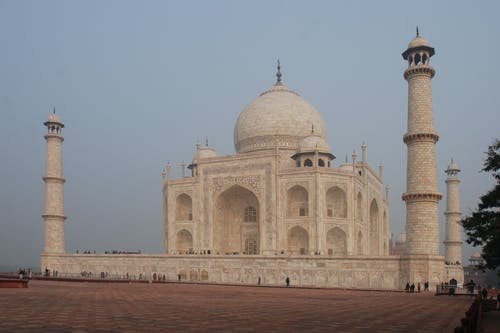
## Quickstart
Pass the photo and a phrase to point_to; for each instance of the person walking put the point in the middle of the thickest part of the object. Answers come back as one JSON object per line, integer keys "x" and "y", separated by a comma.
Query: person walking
{"x": 287, "y": 280}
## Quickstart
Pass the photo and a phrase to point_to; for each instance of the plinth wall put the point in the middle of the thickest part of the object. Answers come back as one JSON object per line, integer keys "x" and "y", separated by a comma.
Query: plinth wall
{"x": 312, "y": 271}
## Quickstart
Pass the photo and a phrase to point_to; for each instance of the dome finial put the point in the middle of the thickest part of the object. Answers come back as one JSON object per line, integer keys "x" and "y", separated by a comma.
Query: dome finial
{"x": 312, "y": 129}
{"x": 278, "y": 74}
{"x": 417, "y": 32}
{"x": 54, "y": 111}
{"x": 206, "y": 141}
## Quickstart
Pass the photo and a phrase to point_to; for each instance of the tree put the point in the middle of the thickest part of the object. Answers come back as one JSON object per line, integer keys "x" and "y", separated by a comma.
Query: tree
{"x": 483, "y": 226}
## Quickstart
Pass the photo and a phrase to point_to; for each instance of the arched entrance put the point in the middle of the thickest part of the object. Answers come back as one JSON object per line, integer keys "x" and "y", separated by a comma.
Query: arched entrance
{"x": 184, "y": 242}
{"x": 298, "y": 241}
{"x": 236, "y": 227}
{"x": 336, "y": 203}
{"x": 336, "y": 242}
{"x": 374, "y": 229}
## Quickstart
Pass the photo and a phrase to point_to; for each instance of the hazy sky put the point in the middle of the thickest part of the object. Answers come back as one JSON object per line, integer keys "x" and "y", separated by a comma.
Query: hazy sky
{"x": 137, "y": 82}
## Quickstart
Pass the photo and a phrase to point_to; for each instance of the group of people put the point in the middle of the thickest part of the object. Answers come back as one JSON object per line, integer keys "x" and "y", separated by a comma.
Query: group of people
{"x": 24, "y": 274}
{"x": 410, "y": 288}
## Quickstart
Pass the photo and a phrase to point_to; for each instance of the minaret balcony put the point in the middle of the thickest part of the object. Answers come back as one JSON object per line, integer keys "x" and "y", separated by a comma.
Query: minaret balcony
{"x": 434, "y": 197}
{"x": 420, "y": 70}
{"x": 410, "y": 137}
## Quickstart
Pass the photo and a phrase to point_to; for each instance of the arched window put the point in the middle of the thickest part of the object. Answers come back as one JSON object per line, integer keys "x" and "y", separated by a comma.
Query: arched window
{"x": 360, "y": 207}
{"x": 297, "y": 201}
{"x": 321, "y": 163}
{"x": 417, "y": 59}
{"x": 250, "y": 246}
{"x": 336, "y": 203}
{"x": 184, "y": 242}
{"x": 360, "y": 243}
{"x": 250, "y": 214}
{"x": 298, "y": 241}
{"x": 184, "y": 208}
{"x": 424, "y": 59}
{"x": 336, "y": 242}
{"x": 374, "y": 229}
{"x": 308, "y": 163}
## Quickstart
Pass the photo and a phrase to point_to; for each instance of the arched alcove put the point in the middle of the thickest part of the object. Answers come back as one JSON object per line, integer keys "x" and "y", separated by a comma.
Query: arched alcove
{"x": 298, "y": 241}
{"x": 297, "y": 202}
{"x": 374, "y": 229}
{"x": 359, "y": 204}
{"x": 386, "y": 223}
{"x": 336, "y": 202}
{"x": 184, "y": 241}
{"x": 385, "y": 235}
{"x": 236, "y": 228}
{"x": 183, "y": 208}
{"x": 360, "y": 243}
{"x": 336, "y": 242}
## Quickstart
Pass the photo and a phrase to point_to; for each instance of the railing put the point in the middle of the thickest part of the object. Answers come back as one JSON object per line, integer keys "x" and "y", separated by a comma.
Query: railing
{"x": 455, "y": 290}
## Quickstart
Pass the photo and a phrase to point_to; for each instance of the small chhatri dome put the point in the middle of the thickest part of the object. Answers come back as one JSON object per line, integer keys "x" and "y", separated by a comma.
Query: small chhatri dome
{"x": 312, "y": 143}
{"x": 475, "y": 256}
{"x": 54, "y": 120}
{"x": 418, "y": 41}
{"x": 278, "y": 118}
{"x": 452, "y": 167}
{"x": 203, "y": 153}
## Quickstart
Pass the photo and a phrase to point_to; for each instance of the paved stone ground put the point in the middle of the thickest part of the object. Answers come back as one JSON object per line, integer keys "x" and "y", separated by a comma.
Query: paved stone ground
{"x": 116, "y": 307}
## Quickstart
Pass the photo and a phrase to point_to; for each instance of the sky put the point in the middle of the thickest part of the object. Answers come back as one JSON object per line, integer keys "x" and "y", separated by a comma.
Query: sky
{"x": 137, "y": 83}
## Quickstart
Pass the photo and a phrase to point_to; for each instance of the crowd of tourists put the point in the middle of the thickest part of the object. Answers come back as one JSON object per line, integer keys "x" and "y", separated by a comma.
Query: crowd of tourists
{"x": 25, "y": 273}
{"x": 410, "y": 288}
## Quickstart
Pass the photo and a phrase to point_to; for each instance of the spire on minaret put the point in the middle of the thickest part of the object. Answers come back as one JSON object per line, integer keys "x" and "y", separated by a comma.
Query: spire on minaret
{"x": 278, "y": 74}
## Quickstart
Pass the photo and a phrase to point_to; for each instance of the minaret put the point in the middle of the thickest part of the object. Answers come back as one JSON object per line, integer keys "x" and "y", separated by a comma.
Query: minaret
{"x": 421, "y": 196}
{"x": 54, "y": 206}
{"x": 453, "y": 241}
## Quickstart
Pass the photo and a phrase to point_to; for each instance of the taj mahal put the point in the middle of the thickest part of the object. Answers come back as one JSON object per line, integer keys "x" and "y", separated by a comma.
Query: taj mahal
{"x": 281, "y": 206}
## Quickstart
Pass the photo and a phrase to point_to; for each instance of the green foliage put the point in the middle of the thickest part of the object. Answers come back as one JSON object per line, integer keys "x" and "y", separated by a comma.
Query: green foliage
{"x": 483, "y": 226}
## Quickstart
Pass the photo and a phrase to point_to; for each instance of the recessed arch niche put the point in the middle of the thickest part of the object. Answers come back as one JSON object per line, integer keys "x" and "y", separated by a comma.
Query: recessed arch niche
{"x": 236, "y": 227}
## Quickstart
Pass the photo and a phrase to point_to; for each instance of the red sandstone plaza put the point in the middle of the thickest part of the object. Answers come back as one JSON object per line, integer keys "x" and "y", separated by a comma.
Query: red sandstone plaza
{"x": 48, "y": 306}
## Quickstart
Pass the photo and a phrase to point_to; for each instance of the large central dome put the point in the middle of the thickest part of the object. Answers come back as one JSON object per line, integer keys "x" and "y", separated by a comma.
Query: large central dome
{"x": 278, "y": 118}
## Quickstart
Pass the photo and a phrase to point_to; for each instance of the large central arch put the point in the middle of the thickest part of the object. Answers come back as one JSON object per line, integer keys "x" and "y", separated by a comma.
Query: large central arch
{"x": 236, "y": 228}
